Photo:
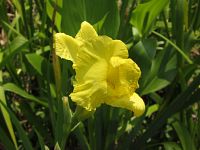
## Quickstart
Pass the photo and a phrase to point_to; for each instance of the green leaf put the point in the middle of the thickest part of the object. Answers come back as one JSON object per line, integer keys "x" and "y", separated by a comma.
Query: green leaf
{"x": 33, "y": 119}
{"x": 176, "y": 105}
{"x": 11, "y": 28}
{"x": 11, "y": 87}
{"x": 186, "y": 140}
{"x": 7, "y": 117}
{"x": 46, "y": 147}
{"x": 175, "y": 46}
{"x": 145, "y": 14}
{"x": 6, "y": 141}
{"x": 177, "y": 9}
{"x": 20, "y": 130}
{"x": 19, "y": 8}
{"x": 3, "y": 13}
{"x": 163, "y": 71}
{"x": 4, "y": 112}
{"x": 151, "y": 109}
{"x": 14, "y": 47}
{"x": 40, "y": 64}
{"x": 36, "y": 61}
{"x": 171, "y": 146}
{"x": 82, "y": 139}
{"x": 155, "y": 84}
{"x": 50, "y": 6}
{"x": 140, "y": 55}
{"x": 41, "y": 140}
{"x": 57, "y": 147}
{"x": 157, "y": 70}
{"x": 75, "y": 12}
{"x": 67, "y": 117}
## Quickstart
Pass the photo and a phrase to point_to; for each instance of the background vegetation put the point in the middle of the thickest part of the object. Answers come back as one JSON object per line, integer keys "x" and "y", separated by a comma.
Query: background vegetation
{"x": 163, "y": 39}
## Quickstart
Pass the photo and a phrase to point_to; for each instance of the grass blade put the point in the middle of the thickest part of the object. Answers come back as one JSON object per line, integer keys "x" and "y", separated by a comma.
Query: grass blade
{"x": 14, "y": 47}
{"x": 4, "y": 112}
{"x": 20, "y": 130}
{"x": 175, "y": 46}
{"x": 11, "y": 87}
{"x": 6, "y": 141}
{"x": 41, "y": 140}
{"x": 176, "y": 105}
{"x": 186, "y": 140}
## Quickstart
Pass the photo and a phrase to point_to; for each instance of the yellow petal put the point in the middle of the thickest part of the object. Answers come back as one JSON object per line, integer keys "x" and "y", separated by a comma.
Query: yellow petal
{"x": 66, "y": 46}
{"x": 90, "y": 88}
{"x": 87, "y": 32}
{"x": 133, "y": 103}
{"x": 123, "y": 75}
{"x": 138, "y": 106}
{"x": 90, "y": 67}
{"x": 129, "y": 73}
{"x": 104, "y": 74}
{"x": 92, "y": 61}
{"x": 89, "y": 95}
{"x": 118, "y": 48}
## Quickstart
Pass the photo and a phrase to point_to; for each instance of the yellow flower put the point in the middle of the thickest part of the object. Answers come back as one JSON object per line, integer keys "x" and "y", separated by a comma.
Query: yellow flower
{"x": 104, "y": 73}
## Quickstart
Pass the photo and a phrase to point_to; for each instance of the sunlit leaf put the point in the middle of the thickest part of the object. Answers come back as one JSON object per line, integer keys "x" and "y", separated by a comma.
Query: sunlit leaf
{"x": 4, "y": 112}
{"x": 11, "y": 87}
{"x": 145, "y": 14}
{"x": 20, "y": 130}
{"x": 14, "y": 47}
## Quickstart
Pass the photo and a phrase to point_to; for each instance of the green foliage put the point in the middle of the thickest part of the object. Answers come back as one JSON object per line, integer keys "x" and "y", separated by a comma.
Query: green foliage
{"x": 17, "y": 90}
{"x": 92, "y": 11}
{"x": 184, "y": 136}
{"x": 36, "y": 111}
{"x": 144, "y": 15}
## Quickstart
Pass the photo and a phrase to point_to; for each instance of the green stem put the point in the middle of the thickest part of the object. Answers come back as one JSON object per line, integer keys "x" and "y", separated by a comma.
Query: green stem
{"x": 175, "y": 46}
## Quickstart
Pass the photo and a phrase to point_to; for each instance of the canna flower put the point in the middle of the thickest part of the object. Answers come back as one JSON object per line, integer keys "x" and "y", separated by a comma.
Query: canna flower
{"x": 104, "y": 73}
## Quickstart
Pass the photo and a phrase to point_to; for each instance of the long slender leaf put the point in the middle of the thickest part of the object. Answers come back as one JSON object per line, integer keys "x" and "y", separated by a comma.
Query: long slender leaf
{"x": 176, "y": 105}
{"x": 15, "y": 46}
{"x": 176, "y": 47}
{"x": 5, "y": 114}
{"x": 186, "y": 140}
{"x": 7, "y": 117}
{"x": 14, "y": 88}
{"x": 20, "y": 130}
{"x": 3, "y": 12}
{"x": 177, "y": 7}
{"x": 11, "y": 29}
{"x": 6, "y": 141}
{"x": 171, "y": 146}
{"x": 41, "y": 140}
